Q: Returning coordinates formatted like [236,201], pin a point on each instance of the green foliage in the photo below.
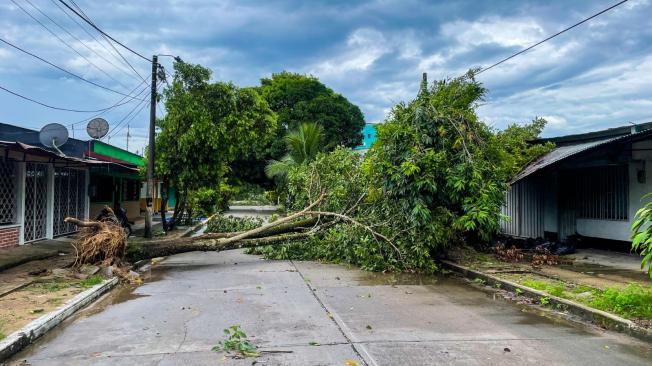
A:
[544,300]
[303,144]
[206,127]
[91,281]
[479,281]
[514,147]
[634,301]
[642,234]
[435,177]
[236,341]
[229,224]
[299,99]
[205,201]
[246,193]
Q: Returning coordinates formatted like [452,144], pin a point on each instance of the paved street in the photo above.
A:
[373,319]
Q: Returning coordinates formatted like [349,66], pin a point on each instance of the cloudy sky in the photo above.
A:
[596,76]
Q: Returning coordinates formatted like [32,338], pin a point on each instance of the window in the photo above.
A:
[101,188]
[601,193]
[130,190]
[7,192]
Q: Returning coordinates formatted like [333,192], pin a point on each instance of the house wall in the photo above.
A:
[640,159]
[9,236]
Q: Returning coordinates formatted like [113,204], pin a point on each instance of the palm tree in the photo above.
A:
[303,145]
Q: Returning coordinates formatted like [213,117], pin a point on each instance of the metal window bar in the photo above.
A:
[8,196]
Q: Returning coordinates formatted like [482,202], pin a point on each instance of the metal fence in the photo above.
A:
[524,209]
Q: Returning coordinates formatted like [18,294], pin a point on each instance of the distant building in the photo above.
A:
[591,185]
[368,137]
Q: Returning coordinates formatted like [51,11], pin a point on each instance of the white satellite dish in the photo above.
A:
[53,135]
[97,128]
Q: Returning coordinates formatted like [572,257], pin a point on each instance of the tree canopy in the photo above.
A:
[208,124]
[435,177]
[301,99]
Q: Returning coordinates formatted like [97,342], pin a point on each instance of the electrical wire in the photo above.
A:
[77,39]
[59,108]
[64,70]
[107,40]
[115,129]
[56,3]
[116,104]
[551,37]
[102,32]
[66,43]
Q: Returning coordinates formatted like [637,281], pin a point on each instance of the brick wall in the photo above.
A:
[9,236]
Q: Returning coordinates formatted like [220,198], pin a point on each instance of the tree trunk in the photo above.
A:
[153,249]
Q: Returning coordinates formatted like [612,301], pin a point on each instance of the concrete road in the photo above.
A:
[355,317]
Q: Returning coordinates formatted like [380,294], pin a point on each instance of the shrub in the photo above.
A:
[227,224]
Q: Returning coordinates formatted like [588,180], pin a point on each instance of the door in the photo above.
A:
[69,199]
[36,184]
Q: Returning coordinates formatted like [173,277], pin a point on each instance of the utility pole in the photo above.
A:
[150,157]
[128,136]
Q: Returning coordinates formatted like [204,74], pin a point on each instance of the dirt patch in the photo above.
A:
[40,297]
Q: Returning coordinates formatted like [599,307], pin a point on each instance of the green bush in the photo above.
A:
[228,224]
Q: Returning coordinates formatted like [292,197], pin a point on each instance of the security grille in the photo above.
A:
[7,192]
[36,184]
[69,199]
[599,193]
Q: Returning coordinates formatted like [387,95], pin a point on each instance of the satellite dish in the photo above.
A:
[97,128]
[53,135]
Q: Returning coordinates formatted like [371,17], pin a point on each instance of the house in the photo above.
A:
[368,137]
[590,184]
[40,187]
[38,190]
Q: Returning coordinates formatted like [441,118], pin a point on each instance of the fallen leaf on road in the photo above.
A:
[314,343]
[351,363]
[507,349]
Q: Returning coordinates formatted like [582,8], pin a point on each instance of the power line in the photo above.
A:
[551,37]
[106,39]
[66,71]
[66,43]
[58,108]
[102,32]
[84,29]
[113,131]
[77,38]
[116,104]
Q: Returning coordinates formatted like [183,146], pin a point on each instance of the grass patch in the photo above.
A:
[91,281]
[554,289]
[633,301]
[2,333]
[47,287]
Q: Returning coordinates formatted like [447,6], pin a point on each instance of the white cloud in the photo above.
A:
[363,48]
[505,32]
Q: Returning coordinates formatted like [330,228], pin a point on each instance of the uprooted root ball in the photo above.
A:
[104,243]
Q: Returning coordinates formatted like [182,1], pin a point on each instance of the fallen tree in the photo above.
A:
[105,242]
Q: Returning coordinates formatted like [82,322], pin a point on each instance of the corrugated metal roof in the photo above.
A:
[565,151]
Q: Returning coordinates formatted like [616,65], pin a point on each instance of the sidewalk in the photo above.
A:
[12,257]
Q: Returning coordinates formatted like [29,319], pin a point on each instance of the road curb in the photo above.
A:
[29,333]
[595,316]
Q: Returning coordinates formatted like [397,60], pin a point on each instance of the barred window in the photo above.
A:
[7,192]
[601,193]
